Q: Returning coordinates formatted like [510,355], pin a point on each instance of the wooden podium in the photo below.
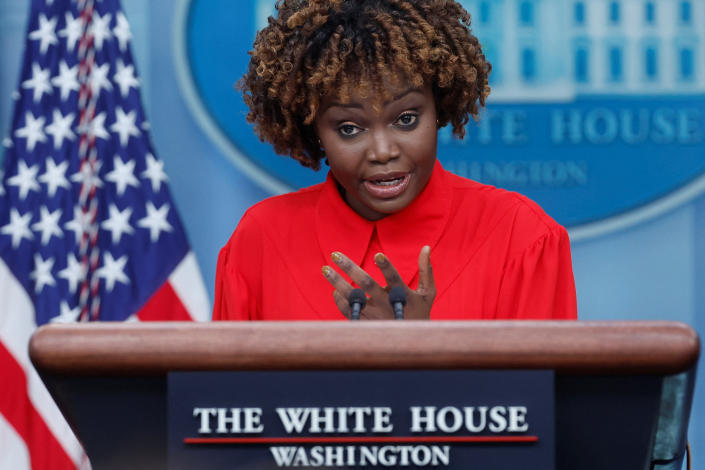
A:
[623,389]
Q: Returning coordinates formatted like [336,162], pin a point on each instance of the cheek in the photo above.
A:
[424,149]
[344,170]
[344,161]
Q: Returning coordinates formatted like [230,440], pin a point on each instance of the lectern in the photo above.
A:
[622,390]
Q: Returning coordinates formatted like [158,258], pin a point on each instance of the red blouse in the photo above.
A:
[495,254]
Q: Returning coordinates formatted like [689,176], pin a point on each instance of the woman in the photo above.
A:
[364,85]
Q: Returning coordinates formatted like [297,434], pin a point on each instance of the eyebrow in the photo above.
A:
[359,106]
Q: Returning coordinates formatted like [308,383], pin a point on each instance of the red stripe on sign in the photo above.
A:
[164,305]
[45,452]
[358,439]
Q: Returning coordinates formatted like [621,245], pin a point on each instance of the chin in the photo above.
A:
[391,207]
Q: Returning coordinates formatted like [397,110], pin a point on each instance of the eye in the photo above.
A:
[348,130]
[407,120]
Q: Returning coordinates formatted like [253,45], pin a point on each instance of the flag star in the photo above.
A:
[42,272]
[25,179]
[122,175]
[122,30]
[72,31]
[32,130]
[48,224]
[145,125]
[67,80]
[154,172]
[99,79]
[124,125]
[112,271]
[88,175]
[60,128]
[45,33]
[95,127]
[39,82]
[73,273]
[18,228]
[68,314]
[55,176]
[125,78]
[80,224]
[99,29]
[118,222]
[155,220]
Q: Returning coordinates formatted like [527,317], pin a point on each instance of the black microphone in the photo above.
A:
[397,297]
[357,300]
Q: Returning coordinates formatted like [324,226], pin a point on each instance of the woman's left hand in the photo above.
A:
[418,302]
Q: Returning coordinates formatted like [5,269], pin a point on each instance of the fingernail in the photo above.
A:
[326,271]
[380,259]
[336,257]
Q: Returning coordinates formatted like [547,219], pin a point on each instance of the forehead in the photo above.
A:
[378,79]
[377,95]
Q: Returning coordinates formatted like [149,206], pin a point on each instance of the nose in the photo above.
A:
[383,146]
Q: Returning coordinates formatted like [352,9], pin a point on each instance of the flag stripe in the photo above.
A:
[164,304]
[14,450]
[16,327]
[45,451]
[182,279]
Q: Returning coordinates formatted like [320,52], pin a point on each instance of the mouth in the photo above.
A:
[387,186]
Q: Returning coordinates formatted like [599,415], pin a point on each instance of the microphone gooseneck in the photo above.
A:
[357,300]
[397,297]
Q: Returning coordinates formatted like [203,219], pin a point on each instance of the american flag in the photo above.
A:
[88,229]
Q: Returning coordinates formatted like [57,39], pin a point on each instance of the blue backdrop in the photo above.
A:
[606,132]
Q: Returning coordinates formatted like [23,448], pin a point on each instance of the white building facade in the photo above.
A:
[556,49]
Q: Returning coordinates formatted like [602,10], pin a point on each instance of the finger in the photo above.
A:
[390,273]
[337,281]
[357,274]
[427,284]
[341,302]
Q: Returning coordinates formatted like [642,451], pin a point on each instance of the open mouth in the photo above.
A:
[388,182]
[387,186]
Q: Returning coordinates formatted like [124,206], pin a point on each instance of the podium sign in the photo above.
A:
[367,419]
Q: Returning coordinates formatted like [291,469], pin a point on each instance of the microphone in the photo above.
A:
[397,297]
[357,300]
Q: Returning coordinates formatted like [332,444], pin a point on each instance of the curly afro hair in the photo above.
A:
[319,48]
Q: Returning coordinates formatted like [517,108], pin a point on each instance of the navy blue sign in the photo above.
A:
[598,119]
[372,419]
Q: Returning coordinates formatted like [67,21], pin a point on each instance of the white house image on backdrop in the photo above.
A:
[554,50]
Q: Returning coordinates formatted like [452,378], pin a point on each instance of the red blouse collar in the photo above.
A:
[401,234]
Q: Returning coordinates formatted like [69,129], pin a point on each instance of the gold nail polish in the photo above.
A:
[326,271]
[379,258]
[336,257]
